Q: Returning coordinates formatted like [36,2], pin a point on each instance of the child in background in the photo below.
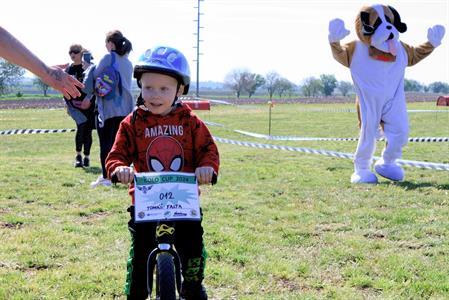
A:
[163,134]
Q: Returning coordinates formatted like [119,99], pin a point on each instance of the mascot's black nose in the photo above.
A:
[389,27]
[391,36]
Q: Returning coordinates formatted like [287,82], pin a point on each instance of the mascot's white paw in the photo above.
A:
[337,30]
[435,34]
[389,171]
[363,176]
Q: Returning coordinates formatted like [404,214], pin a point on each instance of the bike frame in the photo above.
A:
[165,240]
[165,244]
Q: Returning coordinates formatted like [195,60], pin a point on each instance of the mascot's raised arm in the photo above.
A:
[377,62]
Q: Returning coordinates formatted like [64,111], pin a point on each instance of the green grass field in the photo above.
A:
[278,225]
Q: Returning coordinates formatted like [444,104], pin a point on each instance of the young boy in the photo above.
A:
[163,134]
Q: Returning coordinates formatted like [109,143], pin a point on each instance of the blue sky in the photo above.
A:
[286,36]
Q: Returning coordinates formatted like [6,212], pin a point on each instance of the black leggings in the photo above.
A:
[83,137]
[106,135]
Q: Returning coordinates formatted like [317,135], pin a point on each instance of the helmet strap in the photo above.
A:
[175,101]
[140,100]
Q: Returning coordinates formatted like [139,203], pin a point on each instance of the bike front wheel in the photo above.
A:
[165,277]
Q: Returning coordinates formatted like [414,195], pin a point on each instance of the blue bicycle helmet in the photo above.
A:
[164,60]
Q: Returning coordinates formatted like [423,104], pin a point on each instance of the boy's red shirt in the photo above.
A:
[177,142]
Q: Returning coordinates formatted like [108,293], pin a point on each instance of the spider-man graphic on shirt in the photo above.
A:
[165,154]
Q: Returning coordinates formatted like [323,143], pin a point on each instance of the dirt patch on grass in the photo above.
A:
[32,103]
[410,97]
[16,225]
[59,102]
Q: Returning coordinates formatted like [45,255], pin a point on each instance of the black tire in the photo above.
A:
[165,277]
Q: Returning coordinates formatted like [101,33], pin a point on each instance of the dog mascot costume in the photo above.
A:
[377,63]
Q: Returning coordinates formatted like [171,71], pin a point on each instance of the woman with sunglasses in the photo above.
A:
[81,109]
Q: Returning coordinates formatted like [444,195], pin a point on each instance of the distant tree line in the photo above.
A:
[242,81]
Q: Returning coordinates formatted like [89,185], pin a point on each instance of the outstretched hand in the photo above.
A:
[63,82]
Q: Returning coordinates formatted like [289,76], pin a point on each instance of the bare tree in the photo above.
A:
[252,83]
[283,85]
[235,80]
[271,80]
[41,85]
[312,87]
[10,75]
[344,87]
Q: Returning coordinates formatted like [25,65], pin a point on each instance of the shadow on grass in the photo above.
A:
[93,170]
[408,185]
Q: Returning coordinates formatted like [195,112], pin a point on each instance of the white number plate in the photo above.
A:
[166,196]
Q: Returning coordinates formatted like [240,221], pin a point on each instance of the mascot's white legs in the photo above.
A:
[396,132]
[363,156]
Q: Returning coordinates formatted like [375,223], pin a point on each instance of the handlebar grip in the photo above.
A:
[214,178]
[114,179]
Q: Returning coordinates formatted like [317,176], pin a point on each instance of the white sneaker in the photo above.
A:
[100,181]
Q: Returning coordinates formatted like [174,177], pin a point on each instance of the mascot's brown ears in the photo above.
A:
[368,30]
[401,27]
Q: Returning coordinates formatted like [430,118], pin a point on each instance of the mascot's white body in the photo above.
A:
[380,88]
[379,84]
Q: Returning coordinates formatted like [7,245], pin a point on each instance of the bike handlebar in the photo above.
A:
[114,178]
[214,178]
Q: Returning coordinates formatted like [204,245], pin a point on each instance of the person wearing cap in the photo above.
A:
[164,135]
[81,109]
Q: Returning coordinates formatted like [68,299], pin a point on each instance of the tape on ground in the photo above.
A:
[34,131]
[409,163]
[297,138]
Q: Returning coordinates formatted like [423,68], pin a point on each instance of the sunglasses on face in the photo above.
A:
[74,52]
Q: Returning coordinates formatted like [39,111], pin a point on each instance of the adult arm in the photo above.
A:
[15,52]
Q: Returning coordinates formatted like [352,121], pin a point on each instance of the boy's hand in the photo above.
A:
[124,174]
[63,82]
[204,174]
